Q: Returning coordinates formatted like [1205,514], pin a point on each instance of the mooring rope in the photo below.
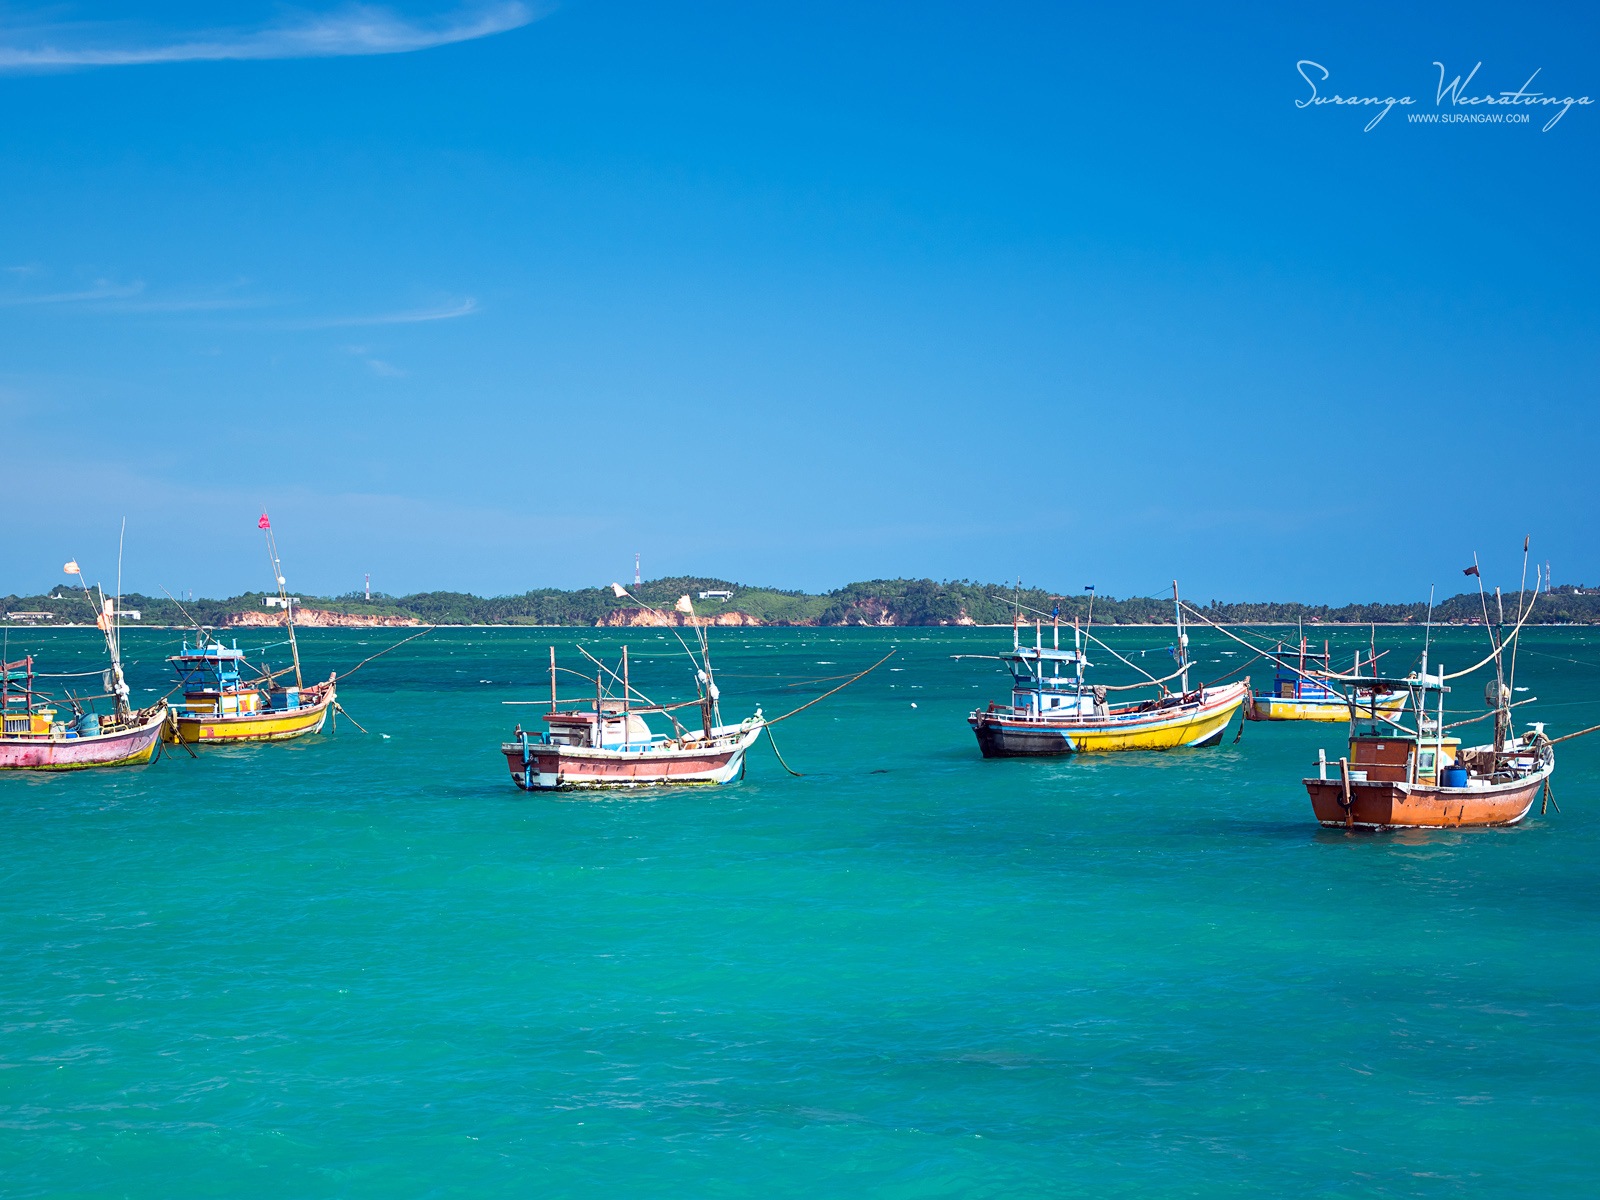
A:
[779,753]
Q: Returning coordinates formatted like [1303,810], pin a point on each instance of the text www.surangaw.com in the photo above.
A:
[1467,118]
[1452,96]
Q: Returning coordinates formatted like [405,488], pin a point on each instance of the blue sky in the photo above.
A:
[493,296]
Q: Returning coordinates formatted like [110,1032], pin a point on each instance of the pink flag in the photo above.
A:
[263,523]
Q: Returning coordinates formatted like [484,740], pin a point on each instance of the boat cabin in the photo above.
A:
[618,730]
[210,677]
[16,700]
[1287,684]
[1392,759]
[1038,687]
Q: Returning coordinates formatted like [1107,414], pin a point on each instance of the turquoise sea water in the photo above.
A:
[367,965]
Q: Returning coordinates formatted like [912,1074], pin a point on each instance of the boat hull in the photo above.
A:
[137,744]
[1278,708]
[270,726]
[541,767]
[1386,805]
[1007,734]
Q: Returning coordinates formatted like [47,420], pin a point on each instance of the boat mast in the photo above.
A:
[1183,638]
[105,621]
[283,596]
[552,679]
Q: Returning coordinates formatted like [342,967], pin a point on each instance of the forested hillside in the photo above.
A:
[870,602]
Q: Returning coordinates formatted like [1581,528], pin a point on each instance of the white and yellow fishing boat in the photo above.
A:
[1051,713]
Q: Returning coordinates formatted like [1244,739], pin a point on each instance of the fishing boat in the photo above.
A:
[1421,777]
[223,704]
[1424,779]
[1053,714]
[604,741]
[37,737]
[608,744]
[1302,693]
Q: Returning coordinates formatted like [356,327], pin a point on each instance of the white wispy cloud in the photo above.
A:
[358,29]
[380,368]
[109,296]
[414,316]
[102,290]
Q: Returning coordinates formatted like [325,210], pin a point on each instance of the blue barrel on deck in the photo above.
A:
[288,697]
[1453,777]
[88,725]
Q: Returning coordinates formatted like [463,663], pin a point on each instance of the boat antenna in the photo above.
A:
[1183,638]
[199,629]
[1427,631]
[283,592]
[1522,591]
[1483,603]
[122,535]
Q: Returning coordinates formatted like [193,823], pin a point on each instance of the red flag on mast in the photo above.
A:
[263,523]
[1472,570]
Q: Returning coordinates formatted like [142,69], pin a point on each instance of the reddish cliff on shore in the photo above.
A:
[643,616]
[316,618]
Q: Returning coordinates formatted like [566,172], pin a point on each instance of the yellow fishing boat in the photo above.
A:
[221,705]
[1303,694]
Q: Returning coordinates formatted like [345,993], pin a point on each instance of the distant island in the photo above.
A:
[876,602]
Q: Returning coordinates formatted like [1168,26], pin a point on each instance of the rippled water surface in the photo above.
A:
[364,964]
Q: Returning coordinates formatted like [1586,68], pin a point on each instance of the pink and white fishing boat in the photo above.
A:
[608,745]
[604,741]
[34,739]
